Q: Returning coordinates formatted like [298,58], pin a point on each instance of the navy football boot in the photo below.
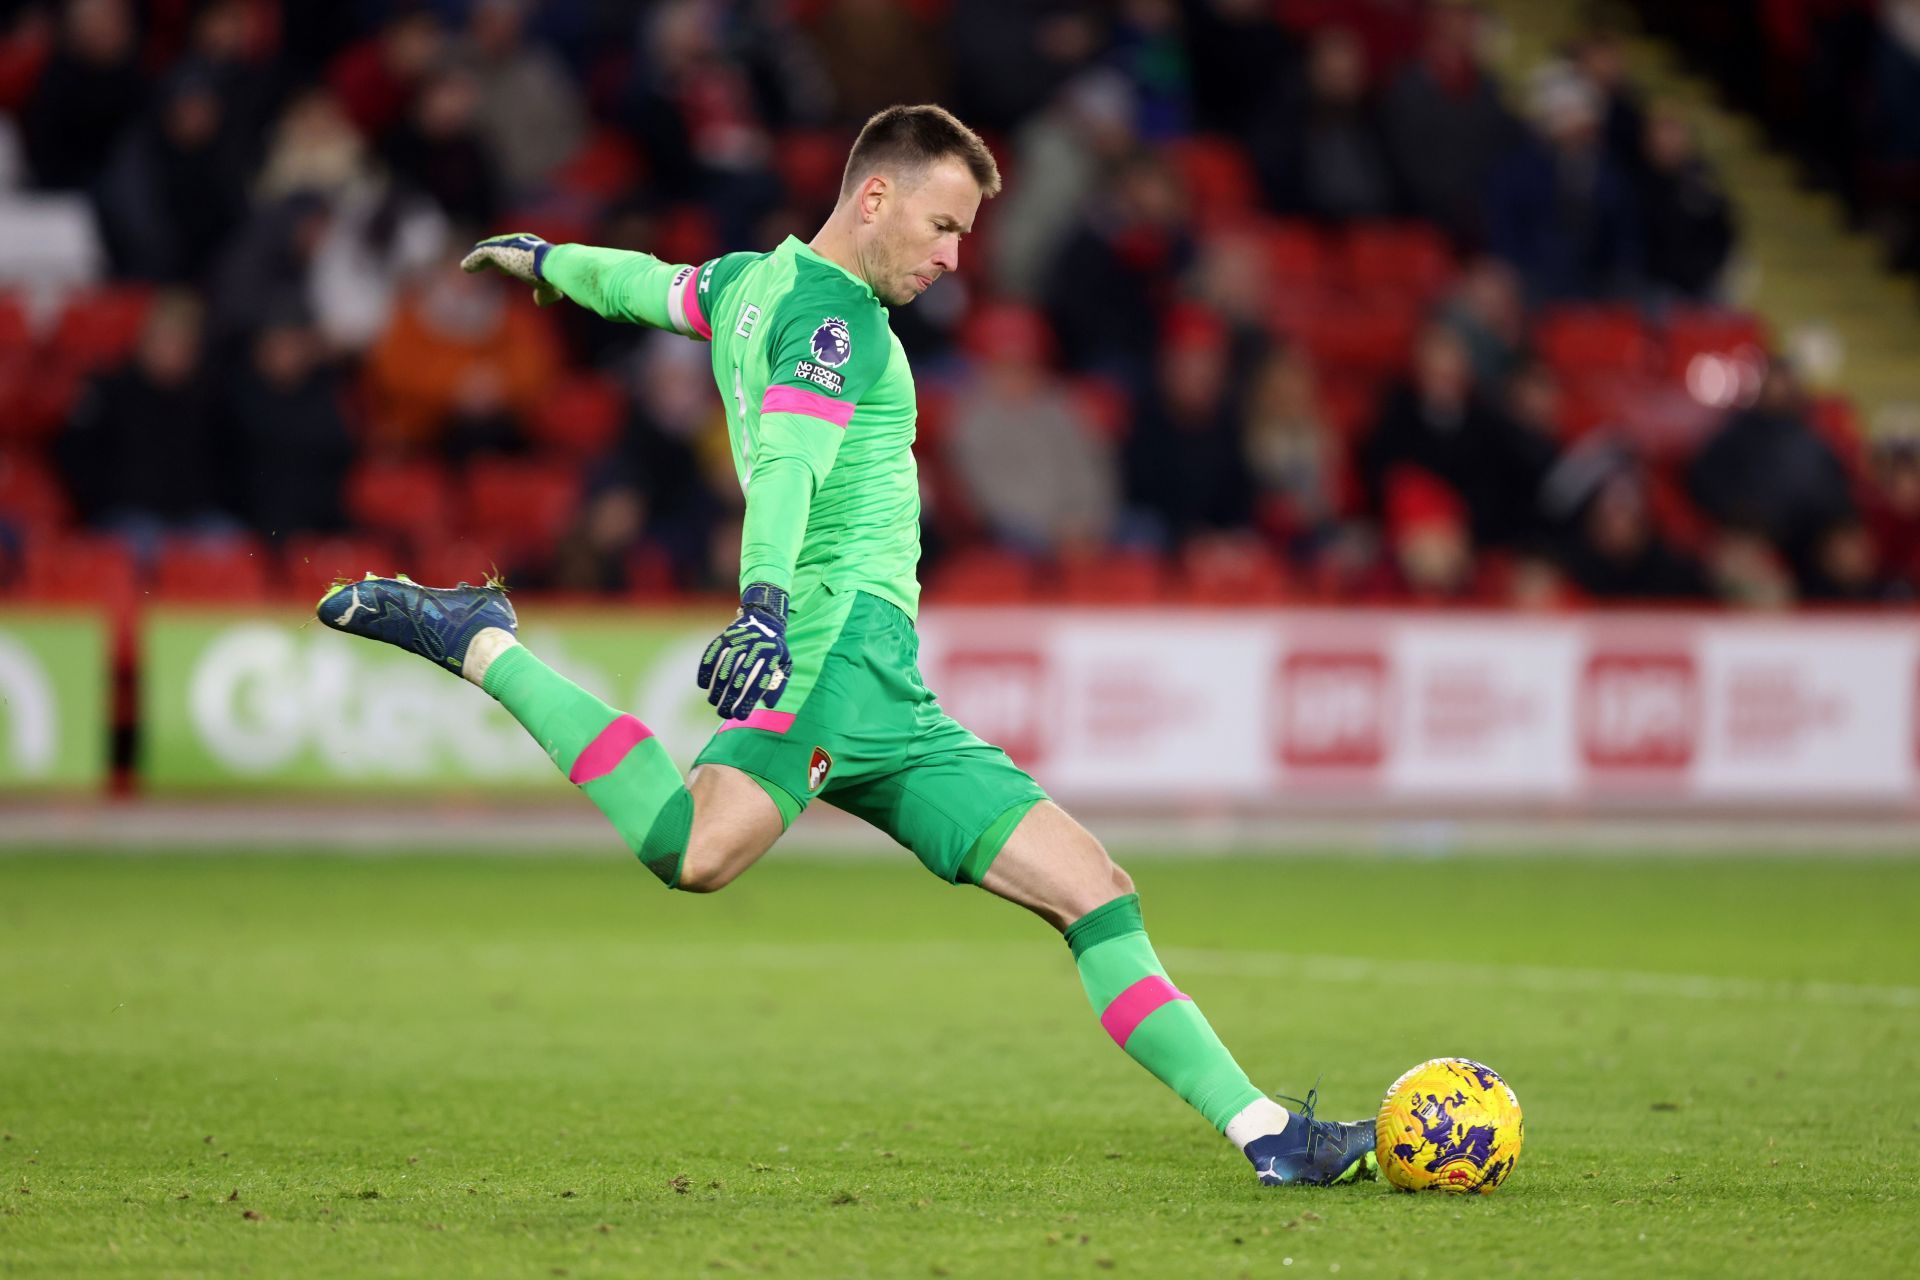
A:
[438,623]
[1320,1153]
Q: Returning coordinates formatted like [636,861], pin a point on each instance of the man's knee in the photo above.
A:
[708,867]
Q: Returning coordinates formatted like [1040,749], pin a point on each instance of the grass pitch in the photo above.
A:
[450,1066]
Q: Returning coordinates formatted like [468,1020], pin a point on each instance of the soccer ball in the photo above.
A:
[1451,1124]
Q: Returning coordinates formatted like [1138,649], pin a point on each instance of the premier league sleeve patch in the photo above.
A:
[832,342]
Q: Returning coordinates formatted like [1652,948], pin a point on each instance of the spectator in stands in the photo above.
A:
[228,42]
[1430,536]
[1234,50]
[1185,463]
[1686,220]
[1293,455]
[1560,210]
[176,186]
[438,147]
[1447,126]
[1896,82]
[89,91]
[376,230]
[1145,44]
[1486,312]
[461,366]
[1894,508]
[877,53]
[376,78]
[1035,466]
[531,114]
[1600,56]
[290,436]
[1321,150]
[1438,422]
[1846,568]
[1105,290]
[1007,58]
[697,115]
[1612,550]
[269,262]
[1063,153]
[141,453]
[1766,472]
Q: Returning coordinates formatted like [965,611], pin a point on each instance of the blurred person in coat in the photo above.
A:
[290,435]
[1036,467]
[1686,220]
[459,369]
[88,93]
[142,454]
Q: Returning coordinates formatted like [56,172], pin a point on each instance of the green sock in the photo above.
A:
[1160,1028]
[612,757]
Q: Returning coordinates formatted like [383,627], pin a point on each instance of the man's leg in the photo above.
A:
[1055,868]
[696,839]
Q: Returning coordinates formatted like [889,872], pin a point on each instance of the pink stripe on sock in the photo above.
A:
[690,302]
[1131,1007]
[604,754]
[810,403]
[771,721]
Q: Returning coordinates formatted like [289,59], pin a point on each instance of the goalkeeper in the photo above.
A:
[817,681]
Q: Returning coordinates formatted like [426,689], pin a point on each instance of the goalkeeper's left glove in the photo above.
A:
[748,662]
[520,256]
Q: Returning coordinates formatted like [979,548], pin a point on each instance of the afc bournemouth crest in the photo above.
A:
[818,768]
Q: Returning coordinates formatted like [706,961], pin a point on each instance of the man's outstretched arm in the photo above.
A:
[635,288]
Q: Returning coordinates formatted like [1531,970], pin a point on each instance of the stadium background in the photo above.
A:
[1294,306]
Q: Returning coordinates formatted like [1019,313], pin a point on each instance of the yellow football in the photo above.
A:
[1450,1124]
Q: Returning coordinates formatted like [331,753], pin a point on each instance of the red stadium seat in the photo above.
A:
[983,575]
[212,569]
[1698,331]
[1297,257]
[1838,423]
[1218,176]
[446,562]
[37,393]
[517,504]
[31,496]
[810,164]
[16,332]
[311,562]
[1230,571]
[1121,577]
[605,166]
[410,499]
[1359,338]
[101,328]
[581,417]
[1578,341]
[82,569]
[1391,258]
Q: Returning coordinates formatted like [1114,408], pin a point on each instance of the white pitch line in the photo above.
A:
[1538,978]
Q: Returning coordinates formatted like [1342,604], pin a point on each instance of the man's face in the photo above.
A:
[914,237]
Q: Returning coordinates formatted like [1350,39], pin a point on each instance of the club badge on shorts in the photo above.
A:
[818,768]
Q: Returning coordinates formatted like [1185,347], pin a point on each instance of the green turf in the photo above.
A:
[439,1067]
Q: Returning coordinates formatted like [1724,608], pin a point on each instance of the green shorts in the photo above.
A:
[858,729]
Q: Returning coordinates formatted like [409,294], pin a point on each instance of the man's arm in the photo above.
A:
[635,288]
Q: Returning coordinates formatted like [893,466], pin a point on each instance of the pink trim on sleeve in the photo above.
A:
[810,403]
[690,303]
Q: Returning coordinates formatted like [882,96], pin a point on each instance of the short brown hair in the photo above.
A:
[910,138]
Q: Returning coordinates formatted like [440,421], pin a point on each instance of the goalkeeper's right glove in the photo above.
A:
[520,256]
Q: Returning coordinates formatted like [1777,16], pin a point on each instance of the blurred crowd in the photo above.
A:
[1836,82]
[1286,299]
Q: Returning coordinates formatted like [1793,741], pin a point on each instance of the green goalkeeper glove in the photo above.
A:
[518,255]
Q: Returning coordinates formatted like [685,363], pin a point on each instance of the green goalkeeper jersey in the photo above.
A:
[819,402]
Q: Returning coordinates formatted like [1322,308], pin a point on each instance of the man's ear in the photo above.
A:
[874,192]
